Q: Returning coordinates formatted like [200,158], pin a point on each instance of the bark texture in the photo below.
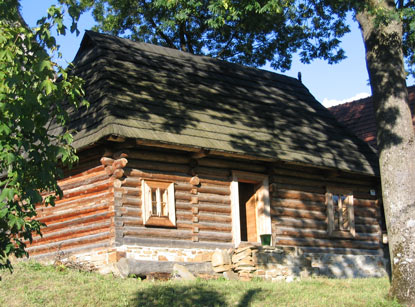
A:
[384,59]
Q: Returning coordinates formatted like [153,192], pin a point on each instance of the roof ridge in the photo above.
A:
[167,51]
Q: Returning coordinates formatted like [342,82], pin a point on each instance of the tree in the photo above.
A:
[253,32]
[33,90]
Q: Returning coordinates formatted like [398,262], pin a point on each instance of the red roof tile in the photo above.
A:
[359,116]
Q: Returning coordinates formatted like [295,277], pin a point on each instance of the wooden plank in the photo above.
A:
[215,237]
[92,170]
[322,234]
[140,174]
[207,227]
[70,243]
[87,220]
[83,180]
[90,188]
[133,191]
[158,156]
[366,220]
[204,217]
[214,208]
[71,233]
[157,233]
[279,211]
[101,197]
[251,217]
[75,214]
[330,214]
[292,194]
[299,223]
[299,204]
[221,163]
[283,240]
[159,166]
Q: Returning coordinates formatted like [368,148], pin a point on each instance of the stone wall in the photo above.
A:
[287,263]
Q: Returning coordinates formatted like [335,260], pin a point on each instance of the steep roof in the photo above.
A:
[359,116]
[152,93]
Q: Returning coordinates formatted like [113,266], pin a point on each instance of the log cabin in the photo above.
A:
[181,155]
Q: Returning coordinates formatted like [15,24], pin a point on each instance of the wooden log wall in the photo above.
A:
[203,210]
[83,219]
[299,216]
[101,206]
[202,198]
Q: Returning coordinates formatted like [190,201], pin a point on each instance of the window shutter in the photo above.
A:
[171,204]
[330,213]
[350,210]
[146,201]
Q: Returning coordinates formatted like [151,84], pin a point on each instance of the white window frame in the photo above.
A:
[156,218]
[263,212]
[334,225]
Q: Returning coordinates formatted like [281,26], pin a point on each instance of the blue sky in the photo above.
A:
[330,84]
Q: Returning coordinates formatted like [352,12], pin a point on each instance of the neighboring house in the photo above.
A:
[359,116]
[181,155]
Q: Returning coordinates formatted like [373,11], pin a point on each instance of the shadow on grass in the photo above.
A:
[183,295]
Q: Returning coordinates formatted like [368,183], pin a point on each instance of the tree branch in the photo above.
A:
[227,44]
[188,41]
[162,35]
[183,46]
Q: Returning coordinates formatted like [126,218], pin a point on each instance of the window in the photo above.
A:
[158,203]
[340,213]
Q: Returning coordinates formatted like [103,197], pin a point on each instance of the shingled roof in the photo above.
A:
[359,116]
[151,93]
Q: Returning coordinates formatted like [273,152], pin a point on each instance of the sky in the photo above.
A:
[330,84]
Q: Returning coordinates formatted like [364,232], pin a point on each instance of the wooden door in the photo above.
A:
[251,219]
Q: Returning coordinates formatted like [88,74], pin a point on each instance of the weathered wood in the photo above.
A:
[71,233]
[96,169]
[214,208]
[330,214]
[158,233]
[160,176]
[220,163]
[282,240]
[298,204]
[215,236]
[133,191]
[159,166]
[207,227]
[323,234]
[70,243]
[300,223]
[292,194]
[204,217]
[90,188]
[279,211]
[83,180]
[87,220]
[74,214]
[74,203]
[158,156]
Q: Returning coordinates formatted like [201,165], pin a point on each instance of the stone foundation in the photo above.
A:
[278,263]
[247,262]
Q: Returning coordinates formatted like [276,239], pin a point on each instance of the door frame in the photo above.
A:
[263,212]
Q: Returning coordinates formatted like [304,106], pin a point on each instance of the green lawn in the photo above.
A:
[33,284]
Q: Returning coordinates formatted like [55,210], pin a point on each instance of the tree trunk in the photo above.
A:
[395,139]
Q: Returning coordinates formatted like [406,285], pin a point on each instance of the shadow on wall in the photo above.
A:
[183,295]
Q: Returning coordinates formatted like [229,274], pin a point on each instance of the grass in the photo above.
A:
[33,284]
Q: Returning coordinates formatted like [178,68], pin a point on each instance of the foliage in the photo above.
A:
[32,91]
[37,285]
[249,32]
